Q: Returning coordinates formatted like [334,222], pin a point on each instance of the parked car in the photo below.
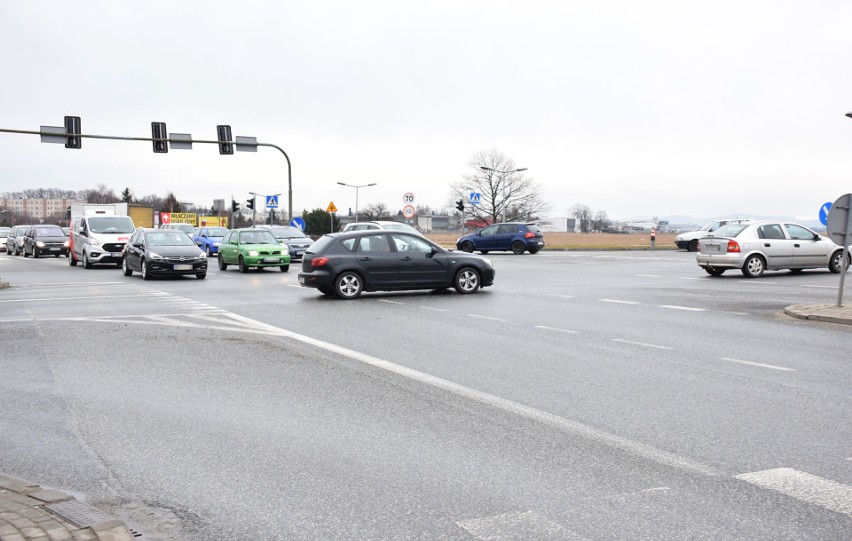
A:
[381,225]
[15,240]
[292,237]
[252,247]
[189,229]
[209,238]
[163,252]
[755,247]
[45,240]
[689,241]
[515,236]
[4,234]
[347,264]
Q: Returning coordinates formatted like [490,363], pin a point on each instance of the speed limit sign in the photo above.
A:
[408,198]
[408,212]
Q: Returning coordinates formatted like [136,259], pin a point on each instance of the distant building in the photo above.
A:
[38,209]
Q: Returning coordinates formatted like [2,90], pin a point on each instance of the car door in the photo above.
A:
[379,263]
[505,235]
[808,250]
[773,242]
[229,247]
[420,264]
[486,238]
[133,251]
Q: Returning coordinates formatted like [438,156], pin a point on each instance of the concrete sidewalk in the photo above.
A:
[822,312]
[31,513]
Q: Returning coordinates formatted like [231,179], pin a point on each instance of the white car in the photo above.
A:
[381,224]
[689,241]
[4,232]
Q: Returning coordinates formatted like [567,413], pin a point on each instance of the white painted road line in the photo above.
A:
[487,317]
[618,301]
[688,308]
[804,487]
[389,301]
[761,365]
[643,344]
[106,297]
[433,309]
[567,331]
[649,275]
[822,287]
[510,526]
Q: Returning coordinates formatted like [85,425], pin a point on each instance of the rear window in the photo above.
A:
[319,246]
[534,229]
[730,230]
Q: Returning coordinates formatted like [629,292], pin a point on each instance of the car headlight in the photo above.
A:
[40,244]
[66,244]
[217,244]
[94,242]
[252,253]
[678,238]
[202,255]
[152,255]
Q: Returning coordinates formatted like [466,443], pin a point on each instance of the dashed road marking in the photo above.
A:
[688,308]
[805,487]
[643,344]
[389,301]
[821,287]
[433,309]
[486,317]
[649,275]
[546,328]
[761,365]
[93,297]
[510,526]
[616,301]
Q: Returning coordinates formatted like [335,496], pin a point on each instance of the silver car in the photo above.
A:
[767,245]
[4,233]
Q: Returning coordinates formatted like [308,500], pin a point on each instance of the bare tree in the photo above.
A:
[583,214]
[374,211]
[601,221]
[100,194]
[505,192]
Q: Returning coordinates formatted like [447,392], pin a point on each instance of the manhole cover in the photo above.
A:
[78,513]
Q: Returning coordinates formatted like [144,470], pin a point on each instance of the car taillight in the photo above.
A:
[319,261]
[529,235]
[733,246]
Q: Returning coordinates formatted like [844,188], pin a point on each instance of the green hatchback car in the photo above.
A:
[249,248]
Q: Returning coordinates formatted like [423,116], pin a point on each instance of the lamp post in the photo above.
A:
[356,193]
[502,182]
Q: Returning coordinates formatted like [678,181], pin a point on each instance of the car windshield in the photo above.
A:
[257,237]
[169,238]
[48,232]
[730,230]
[111,224]
[217,231]
[401,227]
[287,233]
[186,228]
[4,231]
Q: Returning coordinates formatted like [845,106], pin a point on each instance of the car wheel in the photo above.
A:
[124,268]
[71,260]
[754,266]
[534,250]
[348,285]
[35,252]
[714,271]
[692,246]
[466,281]
[144,267]
[518,247]
[207,249]
[467,246]
[86,263]
[25,253]
[483,252]
[241,262]
[201,275]
[222,264]
[285,268]
[834,263]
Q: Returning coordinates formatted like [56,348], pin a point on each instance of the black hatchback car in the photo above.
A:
[347,264]
[45,240]
[163,252]
[515,236]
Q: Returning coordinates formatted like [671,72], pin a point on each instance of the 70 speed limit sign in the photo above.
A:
[408,198]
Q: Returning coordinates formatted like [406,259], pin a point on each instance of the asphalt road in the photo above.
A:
[621,395]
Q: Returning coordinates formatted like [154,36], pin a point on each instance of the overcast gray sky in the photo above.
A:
[640,109]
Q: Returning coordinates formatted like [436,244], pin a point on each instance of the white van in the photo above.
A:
[99,238]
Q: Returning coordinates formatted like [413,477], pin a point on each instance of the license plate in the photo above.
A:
[183,267]
[300,252]
[271,260]
[54,249]
[302,280]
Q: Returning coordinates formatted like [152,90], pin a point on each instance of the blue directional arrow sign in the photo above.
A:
[474,198]
[298,222]
[823,213]
[272,201]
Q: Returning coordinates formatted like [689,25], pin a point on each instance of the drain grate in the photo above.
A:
[78,513]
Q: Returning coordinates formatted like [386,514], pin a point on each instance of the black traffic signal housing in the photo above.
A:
[72,132]
[158,131]
[234,206]
[460,204]
[223,132]
[251,203]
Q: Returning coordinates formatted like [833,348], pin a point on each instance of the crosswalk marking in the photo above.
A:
[805,487]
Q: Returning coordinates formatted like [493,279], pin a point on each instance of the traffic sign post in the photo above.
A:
[823,213]
[331,209]
[272,201]
[839,227]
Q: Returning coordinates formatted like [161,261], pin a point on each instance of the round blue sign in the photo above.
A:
[823,213]
[298,222]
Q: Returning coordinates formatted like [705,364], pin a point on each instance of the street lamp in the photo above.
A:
[356,193]
[503,184]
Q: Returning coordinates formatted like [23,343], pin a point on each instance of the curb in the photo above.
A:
[828,313]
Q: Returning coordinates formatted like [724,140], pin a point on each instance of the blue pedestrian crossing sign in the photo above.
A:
[272,201]
[474,198]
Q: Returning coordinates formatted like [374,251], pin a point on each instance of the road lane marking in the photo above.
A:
[529,525]
[433,309]
[649,275]
[72,284]
[389,301]
[688,308]
[761,365]
[822,287]
[568,331]
[487,317]
[643,344]
[75,298]
[562,296]
[805,487]
[618,301]
[692,278]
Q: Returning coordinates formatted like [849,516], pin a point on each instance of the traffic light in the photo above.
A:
[223,133]
[234,206]
[158,131]
[251,203]
[72,132]
[460,204]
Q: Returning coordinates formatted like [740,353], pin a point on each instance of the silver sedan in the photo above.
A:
[767,245]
